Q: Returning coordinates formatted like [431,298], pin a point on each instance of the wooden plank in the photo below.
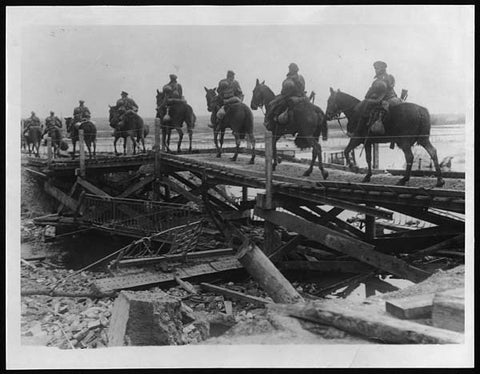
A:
[277,255]
[327,266]
[190,255]
[60,196]
[190,196]
[107,285]
[137,186]
[72,191]
[337,221]
[413,307]
[235,294]
[357,249]
[448,310]
[91,188]
[365,321]
[453,242]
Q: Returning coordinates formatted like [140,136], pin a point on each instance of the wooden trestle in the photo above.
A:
[308,210]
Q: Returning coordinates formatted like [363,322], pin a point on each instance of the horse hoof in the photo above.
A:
[440,183]
[307,173]
[251,162]
[234,159]
[402,182]
[366,180]
[219,155]
[325,174]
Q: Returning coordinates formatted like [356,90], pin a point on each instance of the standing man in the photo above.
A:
[230,92]
[81,113]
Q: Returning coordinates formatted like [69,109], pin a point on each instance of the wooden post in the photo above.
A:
[268,169]
[157,169]
[244,194]
[268,226]
[375,157]
[49,151]
[370,225]
[81,145]
[267,275]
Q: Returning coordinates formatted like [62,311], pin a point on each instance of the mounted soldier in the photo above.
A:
[379,97]
[172,94]
[292,86]
[81,113]
[230,92]
[52,120]
[33,120]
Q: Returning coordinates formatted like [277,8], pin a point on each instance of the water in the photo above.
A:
[448,139]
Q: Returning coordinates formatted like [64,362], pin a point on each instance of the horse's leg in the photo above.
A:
[115,145]
[190,135]
[180,137]
[94,149]
[222,136]
[125,145]
[74,143]
[352,144]
[237,147]
[310,168]
[89,150]
[134,144]
[274,151]
[216,141]
[251,139]
[407,150]
[317,148]
[368,156]
[432,151]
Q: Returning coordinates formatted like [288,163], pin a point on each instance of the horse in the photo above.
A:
[117,134]
[89,135]
[33,139]
[56,135]
[405,125]
[179,113]
[307,123]
[238,117]
[130,126]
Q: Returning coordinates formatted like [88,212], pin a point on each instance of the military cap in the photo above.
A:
[380,64]
[173,76]
[81,101]
[52,112]
[230,73]
[124,93]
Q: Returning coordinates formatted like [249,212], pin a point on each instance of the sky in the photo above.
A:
[96,52]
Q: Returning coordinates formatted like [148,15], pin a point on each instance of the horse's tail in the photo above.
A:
[247,122]
[425,124]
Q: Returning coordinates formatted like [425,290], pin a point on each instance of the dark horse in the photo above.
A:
[89,135]
[308,122]
[179,113]
[56,135]
[239,118]
[33,138]
[130,126]
[405,125]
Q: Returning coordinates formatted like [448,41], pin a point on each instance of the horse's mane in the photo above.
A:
[347,96]
[268,88]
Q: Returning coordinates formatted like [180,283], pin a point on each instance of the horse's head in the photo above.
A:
[114,116]
[258,95]
[68,123]
[212,99]
[333,110]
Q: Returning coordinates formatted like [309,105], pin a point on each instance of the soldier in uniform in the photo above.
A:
[81,113]
[381,94]
[230,92]
[33,120]
[173,89]
[293,85]
[52,120]
[126,103]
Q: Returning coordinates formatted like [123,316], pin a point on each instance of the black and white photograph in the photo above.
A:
[239,186]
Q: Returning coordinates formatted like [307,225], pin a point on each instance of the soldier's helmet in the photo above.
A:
[293,67]
[380,65]
[124,93]
[230,73]
[173,76]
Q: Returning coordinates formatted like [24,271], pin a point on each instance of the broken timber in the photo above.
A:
[357,249]
[107,285]
[362,320]
[234,294]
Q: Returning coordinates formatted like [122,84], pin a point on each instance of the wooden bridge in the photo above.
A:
[302,217]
